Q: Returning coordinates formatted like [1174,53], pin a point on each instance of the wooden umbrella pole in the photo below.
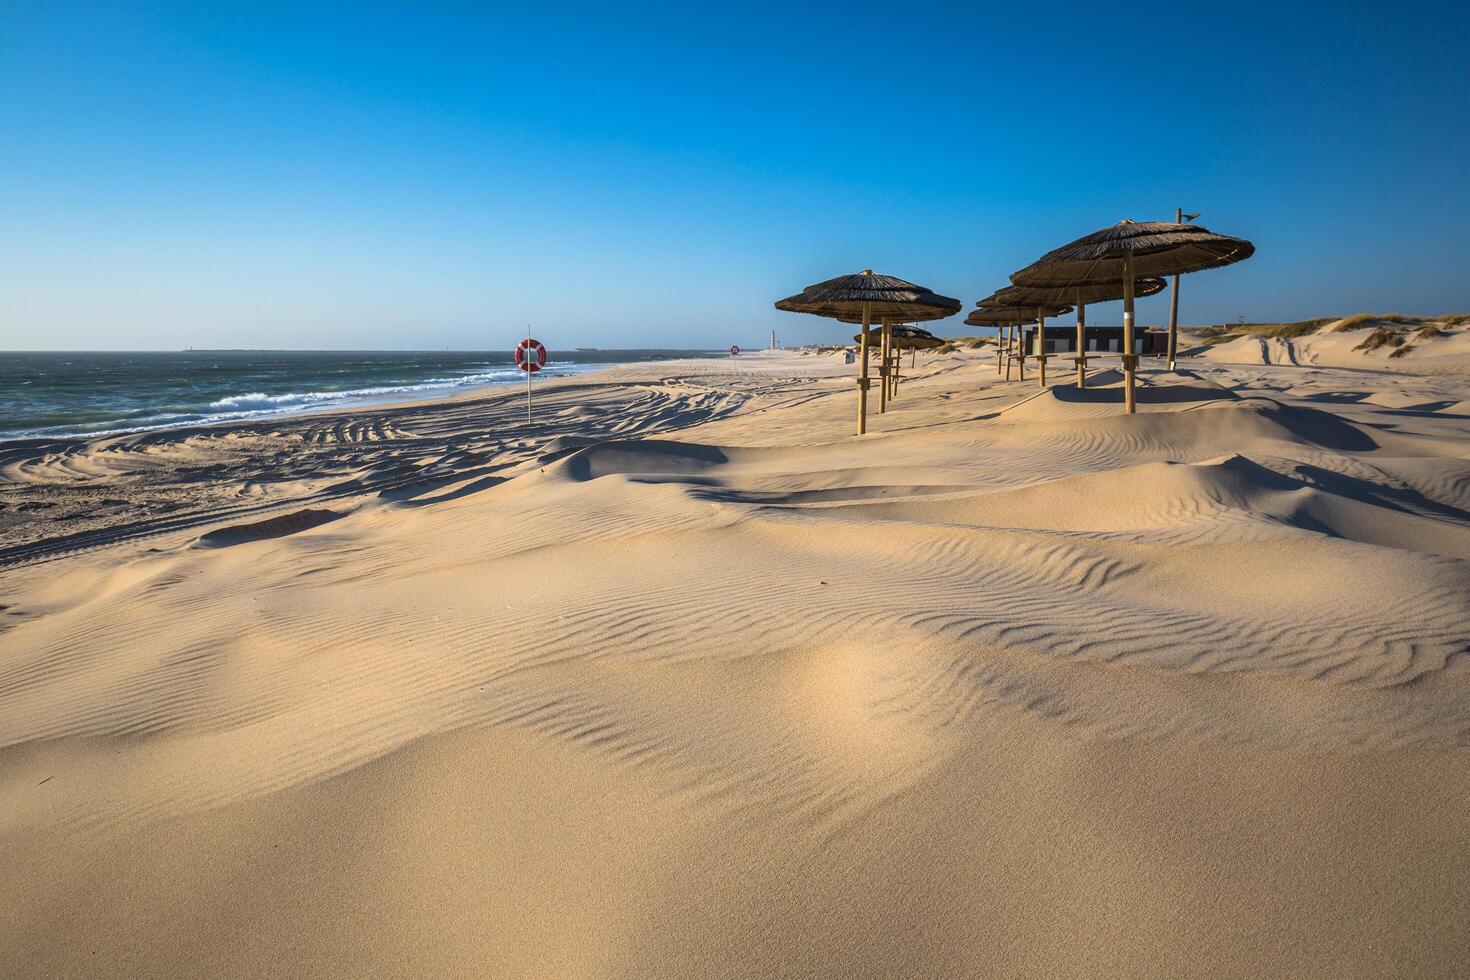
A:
[1009,353]
[1000,349]
[1021,350]
[863,371]
[892,370]
[1041,346]
[885,337]
[898,359]
[1130,359]
[888,341]
[1174,304]
[1081,342]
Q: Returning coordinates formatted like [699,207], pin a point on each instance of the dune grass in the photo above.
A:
[1296,328]
[1381,337]
[1358,320]
[1300,328]
[973,343]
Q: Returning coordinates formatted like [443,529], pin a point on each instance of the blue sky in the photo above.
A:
[374,176]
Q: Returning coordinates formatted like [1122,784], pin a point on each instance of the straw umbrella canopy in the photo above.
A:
[901,337]
[906,337]
[999,317]
[995,301]
[1007,320]
[1128,251]
[1094,292]
[1002,319]
[1052,296]
[867,295]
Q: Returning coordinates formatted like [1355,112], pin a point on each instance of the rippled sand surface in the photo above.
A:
[683,678]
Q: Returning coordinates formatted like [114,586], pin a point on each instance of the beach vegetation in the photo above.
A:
[1224,333]
[1298,328]
[1381,337]
[1360,320]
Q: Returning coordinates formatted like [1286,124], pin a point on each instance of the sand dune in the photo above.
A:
[1417,345]
[685,679]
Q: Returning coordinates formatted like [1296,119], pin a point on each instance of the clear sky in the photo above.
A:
[432,175]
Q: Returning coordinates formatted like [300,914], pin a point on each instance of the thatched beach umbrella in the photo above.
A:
[888,351]
[867,295]
[902,337]
[913,343]
[914,340]
[1081,296]
[1006,320]
[1128,251]
[1040,311]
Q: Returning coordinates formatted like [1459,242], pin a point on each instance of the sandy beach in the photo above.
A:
[683,678]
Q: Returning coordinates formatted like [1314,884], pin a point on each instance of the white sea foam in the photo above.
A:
[258,404]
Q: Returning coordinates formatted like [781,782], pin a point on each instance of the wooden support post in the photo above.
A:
[1010,332]
[1000,349]
[1130,358]
[1174,304]
[1041,346]
[1081,341]
[1021,350]
[884,338]
[863,371]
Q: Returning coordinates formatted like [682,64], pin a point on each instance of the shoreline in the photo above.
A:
[65,478]
[391,395]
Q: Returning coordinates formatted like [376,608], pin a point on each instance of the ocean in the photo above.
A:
[48,395]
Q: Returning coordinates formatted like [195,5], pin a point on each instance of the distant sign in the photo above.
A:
[530,355]
[734,350]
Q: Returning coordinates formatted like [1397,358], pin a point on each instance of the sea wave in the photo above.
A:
[259,404]
[259,401]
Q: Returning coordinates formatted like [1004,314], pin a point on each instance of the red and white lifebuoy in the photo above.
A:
[530,355]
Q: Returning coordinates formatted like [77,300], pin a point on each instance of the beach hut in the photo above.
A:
[1126,252]
[1006,321]
[1081,297]
[864,297]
